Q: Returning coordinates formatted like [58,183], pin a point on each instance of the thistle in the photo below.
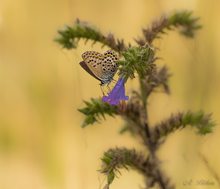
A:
[137,62]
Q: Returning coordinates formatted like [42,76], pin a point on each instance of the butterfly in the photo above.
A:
[101,66]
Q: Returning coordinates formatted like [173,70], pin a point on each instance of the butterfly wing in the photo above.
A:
[109,65]
[93,63]
[86,68]
[102,67]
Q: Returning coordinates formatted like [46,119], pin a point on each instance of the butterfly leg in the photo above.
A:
[101,87]
[114,81]
[108,87]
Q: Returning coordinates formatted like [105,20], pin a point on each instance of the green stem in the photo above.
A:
[148,140]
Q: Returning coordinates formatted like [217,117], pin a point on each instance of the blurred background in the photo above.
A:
[42,145]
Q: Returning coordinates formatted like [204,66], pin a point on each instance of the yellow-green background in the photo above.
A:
[41,85]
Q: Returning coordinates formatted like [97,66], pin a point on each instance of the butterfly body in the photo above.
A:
[101,66]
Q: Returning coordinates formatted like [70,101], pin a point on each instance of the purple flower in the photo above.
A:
[117,94]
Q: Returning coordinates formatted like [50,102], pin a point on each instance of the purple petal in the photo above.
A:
[117,94]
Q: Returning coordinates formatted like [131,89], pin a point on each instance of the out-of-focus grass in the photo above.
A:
[41,143]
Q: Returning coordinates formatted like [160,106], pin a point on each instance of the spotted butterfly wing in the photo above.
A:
[91,63]
[86,68]
[102,67]
[109,65]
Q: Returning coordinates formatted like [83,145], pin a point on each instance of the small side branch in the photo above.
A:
[181,20]
[69,36]
[198,120]
[115,159]
[95,110]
